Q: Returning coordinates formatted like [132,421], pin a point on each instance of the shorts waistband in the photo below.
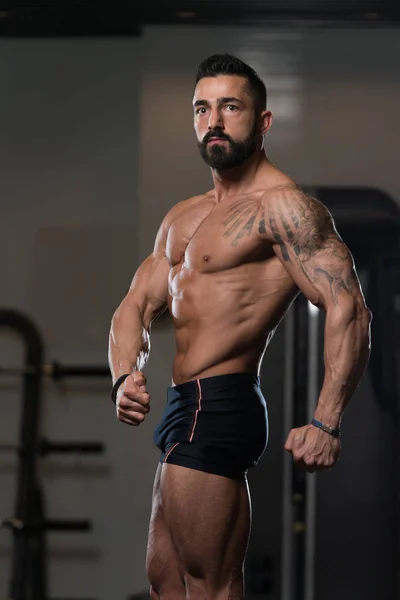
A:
[215,382]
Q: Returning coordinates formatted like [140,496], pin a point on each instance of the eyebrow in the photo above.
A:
[223,100]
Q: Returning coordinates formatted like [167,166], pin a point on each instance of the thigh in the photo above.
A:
[208,517]
[163,566]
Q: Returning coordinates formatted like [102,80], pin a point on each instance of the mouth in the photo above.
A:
[216,140]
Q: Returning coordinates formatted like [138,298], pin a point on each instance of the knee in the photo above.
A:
[155,580]
[168,594]
[215,588]
[164,585]
[198,588]
[153,594]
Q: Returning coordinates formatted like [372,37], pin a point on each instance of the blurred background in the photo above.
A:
[96,144]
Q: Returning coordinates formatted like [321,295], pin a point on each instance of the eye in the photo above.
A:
[201,110]
[231,107]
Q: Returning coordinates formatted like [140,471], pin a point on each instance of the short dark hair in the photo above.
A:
[225,64]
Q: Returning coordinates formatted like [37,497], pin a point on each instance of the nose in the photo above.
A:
[215,120]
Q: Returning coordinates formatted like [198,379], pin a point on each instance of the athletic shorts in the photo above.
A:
[217,424]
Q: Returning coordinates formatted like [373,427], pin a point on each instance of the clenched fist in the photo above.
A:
[133,400]
[313,449]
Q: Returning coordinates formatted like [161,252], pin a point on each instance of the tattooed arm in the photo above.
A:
[308,245]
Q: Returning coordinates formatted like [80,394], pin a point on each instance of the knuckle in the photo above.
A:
[124,402]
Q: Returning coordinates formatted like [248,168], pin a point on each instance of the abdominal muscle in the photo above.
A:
[224,320]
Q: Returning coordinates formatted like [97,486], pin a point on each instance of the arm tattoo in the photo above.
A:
[261,225]
[278,237]
[304,231]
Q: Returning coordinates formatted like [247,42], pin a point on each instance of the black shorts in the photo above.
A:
[216,424]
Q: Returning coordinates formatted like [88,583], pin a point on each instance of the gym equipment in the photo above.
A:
[45,447]
[57,371]
[369,221]
[29,524]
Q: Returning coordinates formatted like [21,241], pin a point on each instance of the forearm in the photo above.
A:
[129,342]
[346,354]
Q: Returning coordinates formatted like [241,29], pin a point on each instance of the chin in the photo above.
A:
[219,153]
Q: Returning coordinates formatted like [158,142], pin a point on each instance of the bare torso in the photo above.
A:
[227,289]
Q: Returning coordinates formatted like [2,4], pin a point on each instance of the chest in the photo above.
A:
[212,238]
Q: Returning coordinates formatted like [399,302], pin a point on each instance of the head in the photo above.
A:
[230,111]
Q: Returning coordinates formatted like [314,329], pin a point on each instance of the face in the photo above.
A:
[225,122]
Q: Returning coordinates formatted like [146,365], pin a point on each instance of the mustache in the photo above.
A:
[216,133]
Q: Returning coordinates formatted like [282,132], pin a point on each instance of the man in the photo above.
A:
[228,264]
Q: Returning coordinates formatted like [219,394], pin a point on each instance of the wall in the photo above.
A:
[96,145]
[69,149]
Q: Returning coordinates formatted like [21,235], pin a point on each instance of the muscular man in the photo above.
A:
[228,264]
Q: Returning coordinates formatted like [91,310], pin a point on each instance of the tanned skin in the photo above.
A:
[228,264]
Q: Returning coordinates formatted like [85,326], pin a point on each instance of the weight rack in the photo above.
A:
[28,580]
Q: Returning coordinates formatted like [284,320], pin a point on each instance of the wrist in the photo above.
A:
[116,386]
[335,432]
[330,418]
[121,369]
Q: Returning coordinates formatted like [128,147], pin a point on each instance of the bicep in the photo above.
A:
[149,287]
[313,253]
[326,276]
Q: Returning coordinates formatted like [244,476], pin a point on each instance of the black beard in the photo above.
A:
[224,156]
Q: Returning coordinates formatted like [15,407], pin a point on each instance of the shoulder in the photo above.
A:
[174,213]
[182,206]
[289,206]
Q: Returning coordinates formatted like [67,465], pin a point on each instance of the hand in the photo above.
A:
[133,400]
[313,449]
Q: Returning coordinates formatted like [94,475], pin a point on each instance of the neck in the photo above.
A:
[240,179]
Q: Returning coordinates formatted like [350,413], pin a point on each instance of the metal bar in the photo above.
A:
[46,447]
[300,416]
[57,371]
[287,492]
[312,397]
[29,429]
[67,525]
[45,525]
[38,561]
[9,447]
[41,524]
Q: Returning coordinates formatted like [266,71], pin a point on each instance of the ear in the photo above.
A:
[265,121]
